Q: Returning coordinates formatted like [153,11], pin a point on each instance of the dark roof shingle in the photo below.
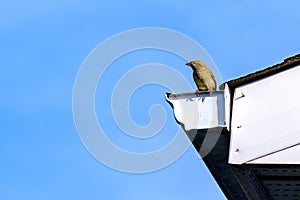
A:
[285,65]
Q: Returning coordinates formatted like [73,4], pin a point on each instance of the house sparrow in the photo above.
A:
[203,77]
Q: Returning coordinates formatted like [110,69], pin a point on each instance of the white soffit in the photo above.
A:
[198,111]
[265,117]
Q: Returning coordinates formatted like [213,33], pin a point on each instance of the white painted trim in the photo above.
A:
[227,97]
[199,111]
[286,156]
[265,117]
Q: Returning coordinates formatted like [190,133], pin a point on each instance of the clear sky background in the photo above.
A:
[43,44]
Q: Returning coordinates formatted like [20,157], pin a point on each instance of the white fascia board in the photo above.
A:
[286,156]
[198,111]
[227,98]
[265,117]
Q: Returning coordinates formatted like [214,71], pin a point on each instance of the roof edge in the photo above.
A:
[288,63]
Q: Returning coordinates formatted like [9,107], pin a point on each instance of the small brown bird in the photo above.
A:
[203,77]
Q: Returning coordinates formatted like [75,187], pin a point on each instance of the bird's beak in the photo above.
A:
[188,64]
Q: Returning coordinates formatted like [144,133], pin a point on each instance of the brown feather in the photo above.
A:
[203,77]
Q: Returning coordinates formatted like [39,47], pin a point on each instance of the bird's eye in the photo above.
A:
[193,63]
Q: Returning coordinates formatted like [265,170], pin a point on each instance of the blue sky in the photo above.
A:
[43,44]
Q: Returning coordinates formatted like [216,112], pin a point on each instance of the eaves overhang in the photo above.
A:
[272,175]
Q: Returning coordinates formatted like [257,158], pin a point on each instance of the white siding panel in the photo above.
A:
[265,117]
